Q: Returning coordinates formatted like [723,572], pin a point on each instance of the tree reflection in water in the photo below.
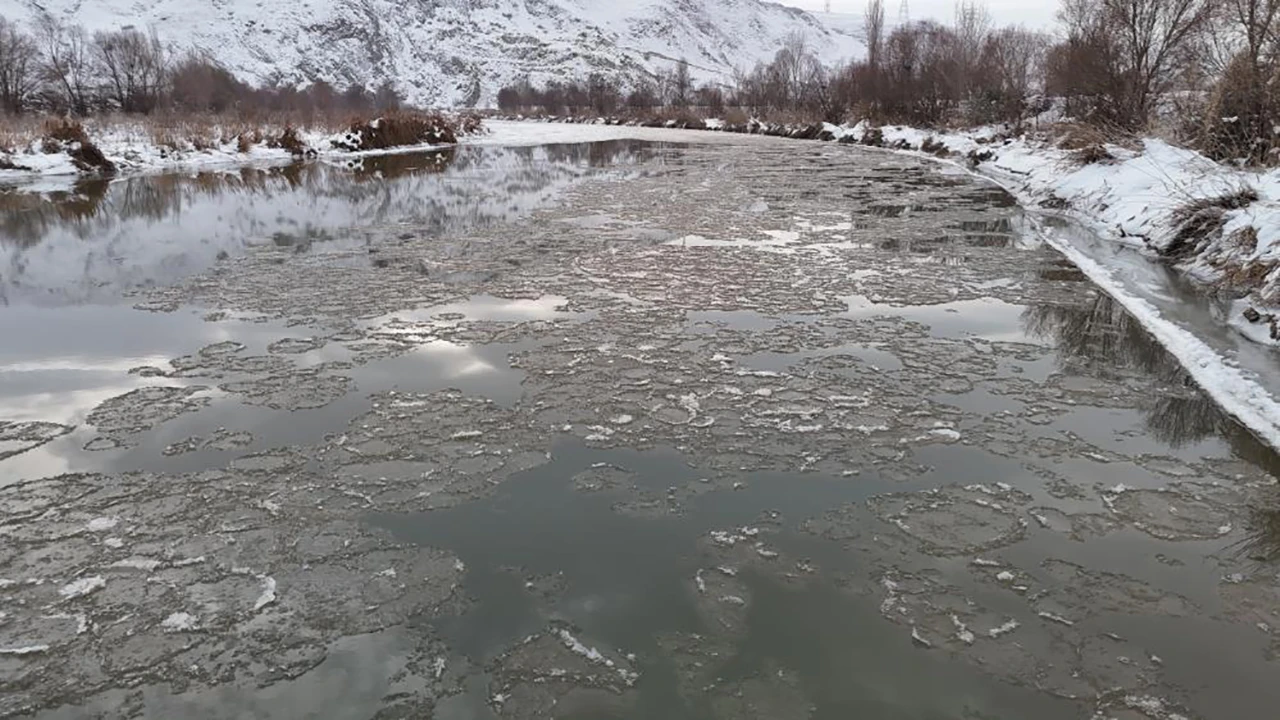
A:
[1101,339]
[97,237]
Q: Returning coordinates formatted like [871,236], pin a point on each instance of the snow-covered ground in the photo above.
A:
[133,149]
[452,53]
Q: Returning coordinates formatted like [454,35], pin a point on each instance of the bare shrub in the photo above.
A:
[19,76]
[934,147]
[1092,155]
[1199,221]
[289,140]
[398,129]
[69,136]
[198,83]
[67,66]
[1119,55]
[134,66]
[735,116]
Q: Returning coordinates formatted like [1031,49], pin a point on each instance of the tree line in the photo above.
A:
[61,68]
[1206,72]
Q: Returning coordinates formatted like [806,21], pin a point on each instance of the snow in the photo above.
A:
[574,645]
[1008,627]
[132,149]
[82,587]
[268,595]
[500,40]
[102,524]
[24,650]
[134,563]
[178,622]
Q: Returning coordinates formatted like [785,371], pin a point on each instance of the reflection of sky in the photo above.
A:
[68,360]
[456,361]
[155,230]
[986,318]
[488,307]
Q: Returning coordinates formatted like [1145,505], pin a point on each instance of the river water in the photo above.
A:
[759,429]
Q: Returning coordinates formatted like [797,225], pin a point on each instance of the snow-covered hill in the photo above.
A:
[460,52]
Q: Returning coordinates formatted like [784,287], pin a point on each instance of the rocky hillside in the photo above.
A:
[460,52]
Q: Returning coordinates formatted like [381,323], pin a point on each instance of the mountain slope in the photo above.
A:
[459,52]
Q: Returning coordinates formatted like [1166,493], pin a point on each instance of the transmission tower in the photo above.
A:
[904,13]
[826,8]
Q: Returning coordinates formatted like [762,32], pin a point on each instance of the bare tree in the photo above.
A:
[18,71]
[198,83]
[386,98]
[1241,114]
[873,24]
[1013,62]
[681,84]
[1141,42]
[604,94]
[134,66]
[68,65]
[973,25]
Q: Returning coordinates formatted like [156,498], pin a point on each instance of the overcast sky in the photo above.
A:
[1032,13]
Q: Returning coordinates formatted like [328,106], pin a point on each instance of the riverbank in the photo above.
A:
[65,150]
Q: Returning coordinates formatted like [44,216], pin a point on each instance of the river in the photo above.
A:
[753,428]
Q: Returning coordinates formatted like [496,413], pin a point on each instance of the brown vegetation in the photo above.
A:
[1199,221]
[57,67]
[62,135]
[398,129]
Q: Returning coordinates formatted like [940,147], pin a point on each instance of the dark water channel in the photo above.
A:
[545,465]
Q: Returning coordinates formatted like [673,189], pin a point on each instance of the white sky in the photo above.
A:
[1037,14]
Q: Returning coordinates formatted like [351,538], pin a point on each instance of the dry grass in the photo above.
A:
[183,132]
[398,129]
[1092,155]
[1199,221]
[69,136]
[288,139]
[934,147]
[1077,136]
[735,116]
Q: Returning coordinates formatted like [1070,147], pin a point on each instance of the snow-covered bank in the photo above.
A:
[134,147]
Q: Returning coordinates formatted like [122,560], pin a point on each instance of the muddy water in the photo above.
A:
[759,430]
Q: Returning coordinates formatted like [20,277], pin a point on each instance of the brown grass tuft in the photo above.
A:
[873,137]
[398,129]
[288,139]
[934,147]
[64,130]
[1199,221]
[69,136]
[1078,136]
[1092,155]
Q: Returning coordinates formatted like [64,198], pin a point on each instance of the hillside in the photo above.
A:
[460,52]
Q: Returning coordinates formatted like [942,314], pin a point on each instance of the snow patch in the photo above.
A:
[82,587]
